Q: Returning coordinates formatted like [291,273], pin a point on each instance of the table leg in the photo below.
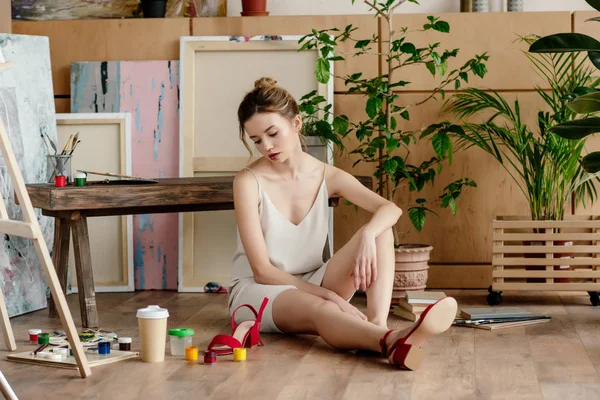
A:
[60,258]
[85,278]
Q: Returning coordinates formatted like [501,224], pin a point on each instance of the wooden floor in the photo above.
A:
[557,360]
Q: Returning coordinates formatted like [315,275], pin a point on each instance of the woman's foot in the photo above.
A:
[403,347]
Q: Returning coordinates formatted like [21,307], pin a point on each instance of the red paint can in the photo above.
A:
[60,181]
[210,357]
[33,335]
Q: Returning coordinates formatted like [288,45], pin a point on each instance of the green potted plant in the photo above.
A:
[545,166]
[323,131]
[382,140]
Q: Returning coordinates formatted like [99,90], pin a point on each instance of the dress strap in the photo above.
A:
[257,181]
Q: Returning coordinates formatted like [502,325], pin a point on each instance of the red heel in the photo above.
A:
[406,352]
[246,334]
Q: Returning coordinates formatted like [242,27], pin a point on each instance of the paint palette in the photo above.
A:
[94,359]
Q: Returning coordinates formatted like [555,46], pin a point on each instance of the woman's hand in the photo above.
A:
[365,266]
[345,306]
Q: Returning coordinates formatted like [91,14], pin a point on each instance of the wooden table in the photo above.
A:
[71,206]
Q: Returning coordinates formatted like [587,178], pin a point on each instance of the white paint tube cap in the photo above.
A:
[124,340]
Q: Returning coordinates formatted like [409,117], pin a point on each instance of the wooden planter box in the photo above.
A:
[532,255]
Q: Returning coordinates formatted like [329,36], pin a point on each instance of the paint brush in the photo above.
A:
[42,347]
[64,150]
[51,143]
[45,143]
[74,147]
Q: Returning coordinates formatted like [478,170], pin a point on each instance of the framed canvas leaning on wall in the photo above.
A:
[105,147]
[215,74]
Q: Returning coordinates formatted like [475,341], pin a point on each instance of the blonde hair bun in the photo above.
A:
[265,83]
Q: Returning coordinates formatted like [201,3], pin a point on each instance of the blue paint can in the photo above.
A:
[104,348]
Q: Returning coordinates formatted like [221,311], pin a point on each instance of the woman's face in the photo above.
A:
[274,136]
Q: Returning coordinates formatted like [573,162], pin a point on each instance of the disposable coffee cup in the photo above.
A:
[152,323]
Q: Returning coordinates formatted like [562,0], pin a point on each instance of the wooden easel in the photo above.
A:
[31,229]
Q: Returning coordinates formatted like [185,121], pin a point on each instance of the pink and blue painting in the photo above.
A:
[27,112]
[149,90]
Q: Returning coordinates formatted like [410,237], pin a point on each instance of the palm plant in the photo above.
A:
[545,166]
[585,102]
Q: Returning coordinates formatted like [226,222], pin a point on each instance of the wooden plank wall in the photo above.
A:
[462,243]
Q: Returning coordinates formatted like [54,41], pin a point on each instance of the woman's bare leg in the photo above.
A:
[295,311]
[339,278]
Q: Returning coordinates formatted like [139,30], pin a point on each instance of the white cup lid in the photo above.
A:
[124,340]
[152,312]
[35,331]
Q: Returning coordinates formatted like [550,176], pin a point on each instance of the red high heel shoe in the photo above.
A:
[406,352]
[246,334]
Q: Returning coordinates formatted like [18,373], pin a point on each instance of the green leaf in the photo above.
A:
[373,106]
[479,69]
[362,44]
[591,162]
[594,57]
[417,216]
[441,26]
[441,144]
[565,42]
[586,104]
[431,67]
[393,123]
[597,19]
[464,76]
[577,129]
[452,203]
[322,70]
[420,201]
[392,144]
[408,48]
[340,124]
[594,3]
[336,58]
[404,114]
[456,84]
[390,166]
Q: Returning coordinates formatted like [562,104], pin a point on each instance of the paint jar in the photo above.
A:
[125,344]
[180,338]
[33,335]
[60,181]
[152,323]
[210,357]
[239,354]
[79,178]
[59,165]
[191,353]
[104,348]
[43,338]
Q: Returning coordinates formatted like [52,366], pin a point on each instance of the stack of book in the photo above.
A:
[415,302]
[491,318]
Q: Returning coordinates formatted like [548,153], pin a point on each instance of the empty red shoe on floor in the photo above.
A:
[246,334]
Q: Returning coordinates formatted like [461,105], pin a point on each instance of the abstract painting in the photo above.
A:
[98,9]
[149,90]
[27,110]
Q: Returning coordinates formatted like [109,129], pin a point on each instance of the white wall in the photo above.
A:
[342,7]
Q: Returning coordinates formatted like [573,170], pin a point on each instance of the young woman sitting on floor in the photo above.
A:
[281,209]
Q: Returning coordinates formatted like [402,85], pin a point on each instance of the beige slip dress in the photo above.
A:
[296,249]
